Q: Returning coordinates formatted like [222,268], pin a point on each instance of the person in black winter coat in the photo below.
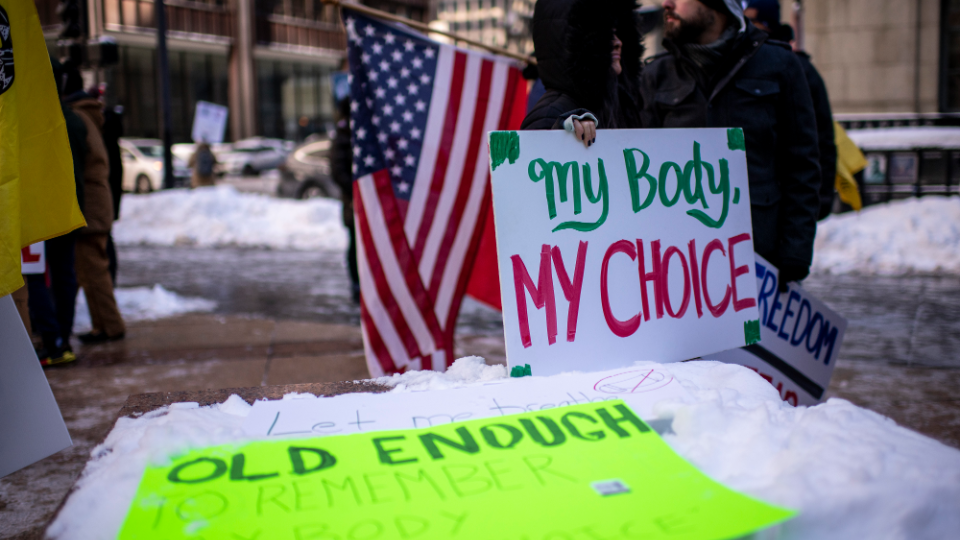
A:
[765,15]
[112,131]
[341,164]
[588,57]
[721,72]
[52,308]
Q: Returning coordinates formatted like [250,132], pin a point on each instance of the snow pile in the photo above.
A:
[222,216]
[900,237]
[464,371]
[99,504]
[143,304]
[850,472]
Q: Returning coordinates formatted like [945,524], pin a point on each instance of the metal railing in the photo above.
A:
[898,174]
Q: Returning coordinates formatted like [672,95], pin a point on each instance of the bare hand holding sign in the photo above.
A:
[644,237]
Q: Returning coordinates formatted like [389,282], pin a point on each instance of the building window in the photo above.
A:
[295,99]
[193,77]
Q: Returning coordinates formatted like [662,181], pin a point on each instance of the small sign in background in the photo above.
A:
[209,123]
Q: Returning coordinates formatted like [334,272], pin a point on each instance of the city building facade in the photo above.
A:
[499,23]
[269,61]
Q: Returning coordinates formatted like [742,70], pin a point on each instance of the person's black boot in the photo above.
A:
[54,352]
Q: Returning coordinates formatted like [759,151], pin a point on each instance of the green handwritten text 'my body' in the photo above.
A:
[691,181]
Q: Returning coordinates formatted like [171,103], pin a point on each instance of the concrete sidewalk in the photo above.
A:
[198,352]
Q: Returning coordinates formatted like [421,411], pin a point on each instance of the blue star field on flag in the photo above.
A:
[391,74]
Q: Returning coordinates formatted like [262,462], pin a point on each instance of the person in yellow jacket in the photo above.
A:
[850,161]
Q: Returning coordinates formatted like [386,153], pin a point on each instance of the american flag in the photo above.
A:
[420,112]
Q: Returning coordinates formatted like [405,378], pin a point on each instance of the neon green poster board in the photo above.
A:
[591,471]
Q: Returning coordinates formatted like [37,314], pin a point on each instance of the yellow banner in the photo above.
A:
[38,198]
[591,471]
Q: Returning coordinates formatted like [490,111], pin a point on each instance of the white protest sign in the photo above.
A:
[636,248]
[209,123]
[33,259]
[800,340]
[641,387]
[31,427]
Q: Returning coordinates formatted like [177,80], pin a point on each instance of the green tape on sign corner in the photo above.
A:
[592,470]
[504,145]
[521,371]
[751,331]
[735,139]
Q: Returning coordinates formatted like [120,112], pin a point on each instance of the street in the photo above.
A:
[913,320]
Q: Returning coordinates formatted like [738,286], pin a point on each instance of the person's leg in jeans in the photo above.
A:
[43,316]
[93,274]
[63,280]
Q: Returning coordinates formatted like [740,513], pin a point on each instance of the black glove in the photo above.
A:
[790,272]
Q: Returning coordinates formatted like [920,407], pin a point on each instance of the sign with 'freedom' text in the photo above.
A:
[637,248]
[800,339]
[593,470]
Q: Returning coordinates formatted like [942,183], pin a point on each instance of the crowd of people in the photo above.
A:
[726,64]
[83,259]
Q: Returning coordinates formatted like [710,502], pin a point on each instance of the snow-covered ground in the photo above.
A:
[142,304]
[900,237]
[849,471]
[222,216]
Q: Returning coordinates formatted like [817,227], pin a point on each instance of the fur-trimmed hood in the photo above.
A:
[572,40]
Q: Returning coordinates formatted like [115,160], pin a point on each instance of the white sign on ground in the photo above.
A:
[33,259]
[209,123]
[31,427]
[800,339]
[640,387]
[636,248]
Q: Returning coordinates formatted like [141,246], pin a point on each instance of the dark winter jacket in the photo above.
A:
[759,87]
[77,136]
[825,137]
[341,161]
[98,200]
[573,40]
[112,131]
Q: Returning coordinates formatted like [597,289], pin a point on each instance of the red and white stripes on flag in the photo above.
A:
[415,256]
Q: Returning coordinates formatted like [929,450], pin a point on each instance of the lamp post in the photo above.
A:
[163,77]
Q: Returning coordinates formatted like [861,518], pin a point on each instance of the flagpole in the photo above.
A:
[426,28]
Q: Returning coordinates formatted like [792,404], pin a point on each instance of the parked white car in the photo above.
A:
[253,156]
[143,165]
